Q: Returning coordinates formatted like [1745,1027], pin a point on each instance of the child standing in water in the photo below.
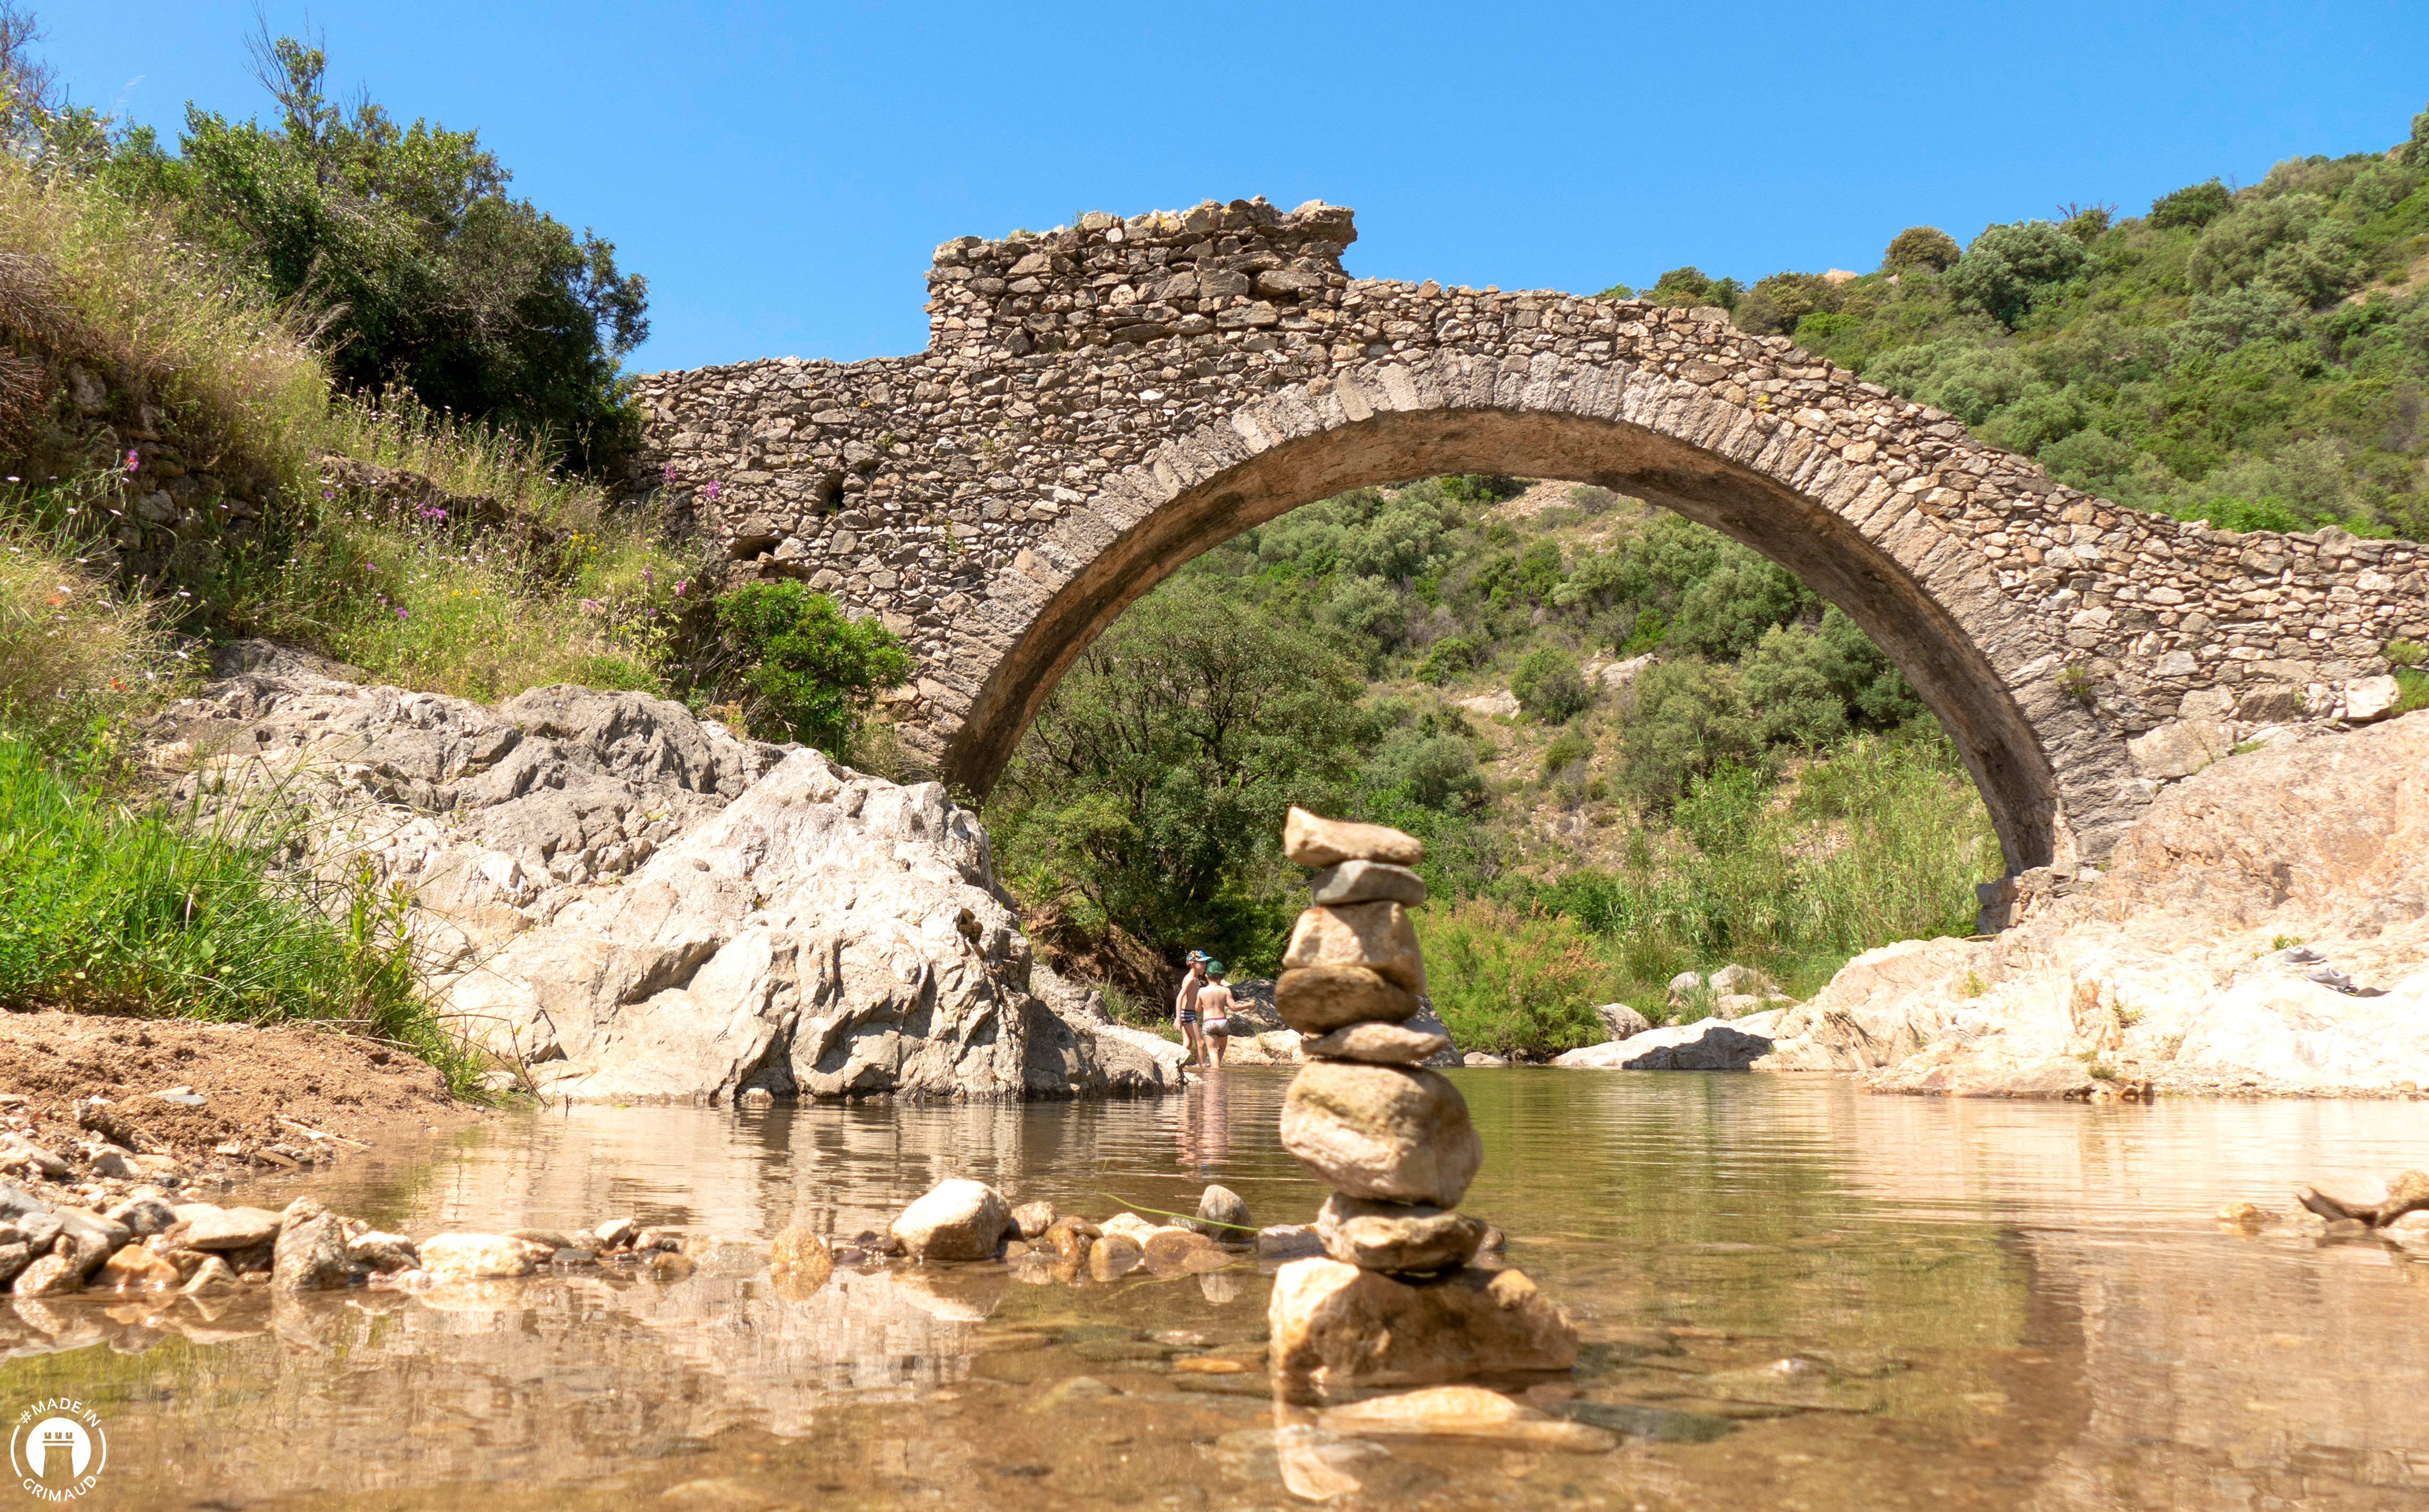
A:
[1184,1005]
[1215,1003]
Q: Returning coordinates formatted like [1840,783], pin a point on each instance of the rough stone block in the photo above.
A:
[1312,841]
[1335,1325]
[1377,936]
[1366,881]
[1386,1133]
[1319,999]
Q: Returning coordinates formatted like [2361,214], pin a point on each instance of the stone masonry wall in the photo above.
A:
[1099,402]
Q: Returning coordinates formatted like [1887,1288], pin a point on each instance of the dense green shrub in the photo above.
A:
[1923,247]
[2195,206]
[1550,687]
[812,673]
[1149,794]
[1511,982]
[2006,268]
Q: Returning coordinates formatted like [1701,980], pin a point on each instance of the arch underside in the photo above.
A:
[1925,637]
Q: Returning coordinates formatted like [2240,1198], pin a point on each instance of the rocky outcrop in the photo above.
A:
[621,900]
[2264,927]
[1714,1043]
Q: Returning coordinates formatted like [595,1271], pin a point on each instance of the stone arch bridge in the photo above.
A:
[1100,403]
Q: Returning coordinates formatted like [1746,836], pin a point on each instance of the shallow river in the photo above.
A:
[1996,1304]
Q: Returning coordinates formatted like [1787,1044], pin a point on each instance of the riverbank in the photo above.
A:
[179,1101]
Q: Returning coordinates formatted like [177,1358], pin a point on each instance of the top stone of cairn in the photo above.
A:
[1311,841]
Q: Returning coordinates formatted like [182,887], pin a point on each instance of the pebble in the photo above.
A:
[1467,1412]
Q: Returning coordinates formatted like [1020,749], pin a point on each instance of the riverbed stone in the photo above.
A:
[380,1252]
[1470,1413]
[1387,1133]
[1366,881]
[1390,1045]
[311,1255]
[480,1257]
[1337,1325]
[799,1263]
[212,1275]
[211,1227]
[1317,1000]
[2353,1197]
[137,1268]
[1396,1235]
[1032,1219]
[1069,1237]
[2408,1192]
[1376,936]
[615,1234]
[49,1277]
[1114,1255]
[1621,1021]
[1182,1252]
[1311,841]
[956,1220]
[1222,1216]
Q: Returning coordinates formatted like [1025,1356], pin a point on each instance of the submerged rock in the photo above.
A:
[1707,1044]
[956,1220]
[1465,1412]
[1223,1216]
[480,1257]
[1336,1326]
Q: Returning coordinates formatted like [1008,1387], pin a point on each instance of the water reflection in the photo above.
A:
[1995,1304]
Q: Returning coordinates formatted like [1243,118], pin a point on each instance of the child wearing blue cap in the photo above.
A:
[1185,1007]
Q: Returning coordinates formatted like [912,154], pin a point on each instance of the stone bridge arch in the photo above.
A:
[1101,403]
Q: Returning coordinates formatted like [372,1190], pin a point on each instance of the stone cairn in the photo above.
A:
[1399,1300]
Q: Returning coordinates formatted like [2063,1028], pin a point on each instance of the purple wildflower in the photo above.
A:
[668,473]
[710,489]
[593,606]
[400,612]
[134,459]
[679,584]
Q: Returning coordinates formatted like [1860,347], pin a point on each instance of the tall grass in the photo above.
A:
[433,607]
[101,278]
[1882,840]
[396,430]
[77,654]
[160,912]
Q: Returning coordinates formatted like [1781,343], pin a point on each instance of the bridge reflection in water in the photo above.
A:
[2020,1305]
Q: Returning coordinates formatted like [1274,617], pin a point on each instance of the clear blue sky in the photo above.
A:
[781,172]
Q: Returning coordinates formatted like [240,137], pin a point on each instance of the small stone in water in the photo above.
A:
[956,1219]
[1033,1217]
[1467,1412]
[1222,1216]
[1113,1257]
[2244,1215]
[615,1233]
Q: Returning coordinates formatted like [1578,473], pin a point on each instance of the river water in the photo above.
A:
[1992,1304]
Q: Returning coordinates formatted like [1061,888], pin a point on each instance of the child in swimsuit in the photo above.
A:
[1185,1007]
[1214,1002]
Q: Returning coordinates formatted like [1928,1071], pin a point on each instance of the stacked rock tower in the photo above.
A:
[1399,1300]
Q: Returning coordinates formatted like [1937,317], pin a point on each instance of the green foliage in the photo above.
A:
[1549,686]
[2008,269]
[812,673]
[163,912]
[2256,357]
[1149,794]
[2194,206]
[1687,287]
[401,245]
[1920,247]
[1511,982]
[1736,877]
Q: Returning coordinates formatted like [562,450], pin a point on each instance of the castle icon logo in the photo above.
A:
[57,1449]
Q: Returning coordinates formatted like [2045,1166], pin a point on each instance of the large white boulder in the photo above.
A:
[2263,928]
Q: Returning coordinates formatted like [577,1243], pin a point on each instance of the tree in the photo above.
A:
[2008,269]
[401,242]
[812,673]
[2195,206]
[1923,247]
[1151,788]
